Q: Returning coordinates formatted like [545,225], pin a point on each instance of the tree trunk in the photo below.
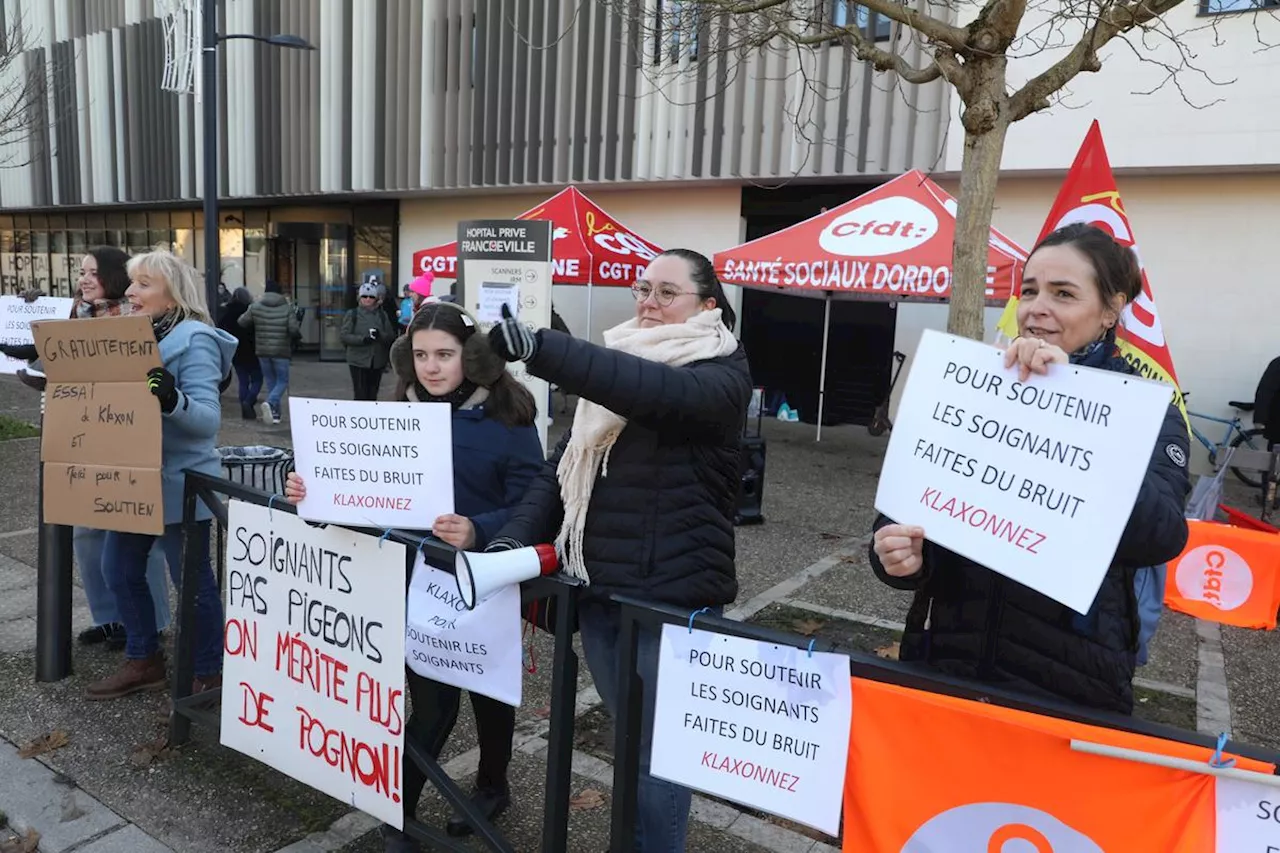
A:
[981,171]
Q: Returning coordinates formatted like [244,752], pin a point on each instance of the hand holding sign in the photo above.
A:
[901,549]
[1032,355]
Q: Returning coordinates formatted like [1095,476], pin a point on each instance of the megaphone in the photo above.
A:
[480,574]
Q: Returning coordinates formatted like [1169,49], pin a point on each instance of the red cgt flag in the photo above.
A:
[1089,194]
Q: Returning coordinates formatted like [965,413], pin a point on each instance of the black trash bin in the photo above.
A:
[259,466]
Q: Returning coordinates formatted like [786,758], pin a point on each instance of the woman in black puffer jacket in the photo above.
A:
[966,620]
[639,496]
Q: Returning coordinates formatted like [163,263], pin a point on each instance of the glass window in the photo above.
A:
[60,275]
[231,244]
[40,273]
[1218,7]
[8,266]
[255,260]
[845,14]
[22,256]
[96,233]
[137,238]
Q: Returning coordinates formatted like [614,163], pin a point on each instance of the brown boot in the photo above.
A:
[134,677]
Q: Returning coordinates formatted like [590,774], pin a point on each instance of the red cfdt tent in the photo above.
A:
[588,247]
[893,242]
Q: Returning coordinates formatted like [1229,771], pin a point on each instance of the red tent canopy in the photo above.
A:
[589,245]
[893,242]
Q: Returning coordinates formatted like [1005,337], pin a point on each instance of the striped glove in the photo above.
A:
[511,339]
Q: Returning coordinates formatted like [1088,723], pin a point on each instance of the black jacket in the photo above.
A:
[969,621]
[660,524]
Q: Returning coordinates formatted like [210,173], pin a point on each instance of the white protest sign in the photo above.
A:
[1248,816]
[313,656]
[16,317]
[373,464]
[1034,480]
[762,725]
[477,650]
[493,295]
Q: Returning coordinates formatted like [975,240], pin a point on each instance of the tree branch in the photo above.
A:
[928,26]
[1120,18]
[865,49]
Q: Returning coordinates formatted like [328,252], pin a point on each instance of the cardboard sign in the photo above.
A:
[384,465]
[101,439]
[1034,480]
[16,317]
[477,650]
[759,724]
[313,656]
[1248,816]
[931,773]
[1226,574]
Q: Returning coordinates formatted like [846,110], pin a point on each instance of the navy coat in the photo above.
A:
[493,465]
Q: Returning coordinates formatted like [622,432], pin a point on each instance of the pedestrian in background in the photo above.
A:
[274,324]
[367,333]
[245,362]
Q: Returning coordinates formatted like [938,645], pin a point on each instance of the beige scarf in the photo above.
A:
[595,428]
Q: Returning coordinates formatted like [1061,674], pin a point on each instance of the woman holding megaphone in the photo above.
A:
[966,620]
[639,496]
[496,454]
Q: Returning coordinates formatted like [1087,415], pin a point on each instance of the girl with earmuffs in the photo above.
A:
[496,453]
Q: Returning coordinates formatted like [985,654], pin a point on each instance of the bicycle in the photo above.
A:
[1234,435]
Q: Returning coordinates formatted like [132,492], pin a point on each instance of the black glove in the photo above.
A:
[511,339]
[26,352]
[502,543]
[162,386]
[31,294]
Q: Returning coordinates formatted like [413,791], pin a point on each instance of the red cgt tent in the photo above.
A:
[589,246]
[893,242]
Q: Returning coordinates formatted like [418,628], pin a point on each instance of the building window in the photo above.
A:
[675,31]
[847,14]
[1222,7]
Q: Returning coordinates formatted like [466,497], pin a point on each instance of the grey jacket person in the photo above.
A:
[363,350]
[274,324]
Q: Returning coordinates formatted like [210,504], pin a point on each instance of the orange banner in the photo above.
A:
[1089,194]
[930,773]
[1226,574]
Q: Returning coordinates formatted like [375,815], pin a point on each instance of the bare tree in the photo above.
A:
[926,45]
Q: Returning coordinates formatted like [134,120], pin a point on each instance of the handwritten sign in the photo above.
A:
[1034,480]
[374,464]
[1248,816]
[101,439]
[493,296]
[16,317]
[477,650]
[759,724]
[313,656]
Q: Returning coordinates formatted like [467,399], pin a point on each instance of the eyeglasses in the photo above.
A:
[665,294]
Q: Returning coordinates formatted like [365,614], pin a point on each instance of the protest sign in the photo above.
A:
[477,650]
[1248,816]
[929,772]
[1034,480]
[386,465]
[101,439]
[508,261]
[16,317]
[1226,574]
[756,723]
[313,655]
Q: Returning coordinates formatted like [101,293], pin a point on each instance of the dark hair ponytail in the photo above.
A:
[510,403]
[1115,267]
[703,274]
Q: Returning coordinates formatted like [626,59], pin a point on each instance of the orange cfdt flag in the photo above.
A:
[1226,574]
[934,774]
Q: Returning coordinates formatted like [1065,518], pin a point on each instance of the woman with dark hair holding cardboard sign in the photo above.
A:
[496,453]
[968,621]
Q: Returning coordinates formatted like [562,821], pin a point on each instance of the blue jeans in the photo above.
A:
[250,377]
[275,377]
[662,808]
[88,543]
[124,561]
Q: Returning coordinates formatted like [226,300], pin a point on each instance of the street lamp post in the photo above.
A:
[209,50]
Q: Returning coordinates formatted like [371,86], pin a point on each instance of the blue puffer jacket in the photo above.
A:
[198,356]
[493,465]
